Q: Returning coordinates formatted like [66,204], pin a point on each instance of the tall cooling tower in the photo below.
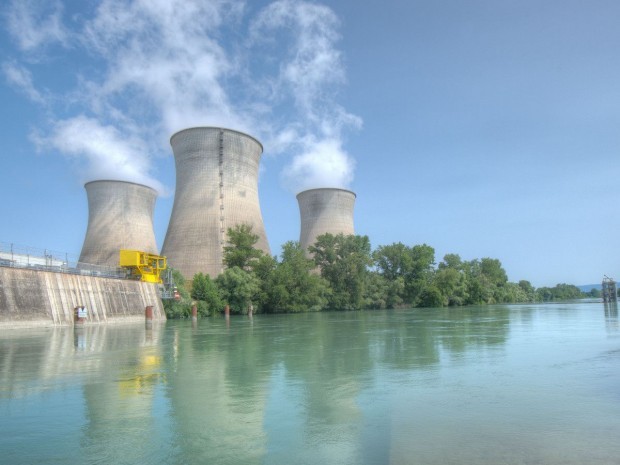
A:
[216,189]
[324,211]
[120,216]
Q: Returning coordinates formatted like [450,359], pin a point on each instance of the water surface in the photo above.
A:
[485,385]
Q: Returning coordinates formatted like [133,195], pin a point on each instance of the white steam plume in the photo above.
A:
[308,73]
[325,164]
[163,55]
[164,65]
[106,152]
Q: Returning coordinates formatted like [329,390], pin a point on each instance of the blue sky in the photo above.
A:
[483,128]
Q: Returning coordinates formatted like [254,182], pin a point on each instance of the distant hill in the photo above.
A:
[589,287]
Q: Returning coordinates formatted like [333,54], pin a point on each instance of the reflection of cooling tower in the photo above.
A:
[216,189]
[325,211]
[120,216]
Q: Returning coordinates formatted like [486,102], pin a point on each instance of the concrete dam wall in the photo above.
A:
[43,298]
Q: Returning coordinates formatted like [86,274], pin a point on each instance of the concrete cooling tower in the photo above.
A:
[120,216]
[216,189]
[324,211]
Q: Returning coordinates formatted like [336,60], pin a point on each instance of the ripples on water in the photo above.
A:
[499,384]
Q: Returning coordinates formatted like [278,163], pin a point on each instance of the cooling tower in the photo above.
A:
[325,211]
[216,189]
[120,216]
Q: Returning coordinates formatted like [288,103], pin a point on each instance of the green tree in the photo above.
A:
[383,293]
[513,293]
[182,307]
[477,292]
[238,288]
[451,260]
[263,269]
[292,287]
[343,261]
[494,278]
[200,286]
[529,290]
[527,287]
[414,265]
[492,269]
[485,281]
[205,290]
[453,286]
[393,261]
[239,250]
[420,276]
[431,297]
[545,294]
[559,292]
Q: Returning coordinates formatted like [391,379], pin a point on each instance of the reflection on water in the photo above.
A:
[107,373]
[520,384]
[611,316]
[36,360]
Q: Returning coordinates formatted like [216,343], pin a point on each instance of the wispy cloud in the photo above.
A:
[309,72]
[35,23]
[164,65]
[310,62]
[21,79]
[163,56]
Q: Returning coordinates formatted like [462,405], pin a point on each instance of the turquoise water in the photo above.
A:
[537,384]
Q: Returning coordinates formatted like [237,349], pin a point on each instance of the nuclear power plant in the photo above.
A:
[120,216]
[326,210]
[216,189]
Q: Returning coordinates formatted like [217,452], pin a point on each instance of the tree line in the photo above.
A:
[344,273]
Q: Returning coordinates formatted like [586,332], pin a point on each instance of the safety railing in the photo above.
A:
[21,256]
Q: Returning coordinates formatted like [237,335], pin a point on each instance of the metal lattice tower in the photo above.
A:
[609,291]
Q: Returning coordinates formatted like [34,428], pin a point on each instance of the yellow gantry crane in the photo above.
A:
[143,266]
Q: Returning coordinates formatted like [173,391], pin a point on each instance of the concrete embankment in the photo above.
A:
[43,298]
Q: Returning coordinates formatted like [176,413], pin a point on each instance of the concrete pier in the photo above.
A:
[42,298]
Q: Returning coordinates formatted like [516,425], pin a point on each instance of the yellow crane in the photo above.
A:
[143,266]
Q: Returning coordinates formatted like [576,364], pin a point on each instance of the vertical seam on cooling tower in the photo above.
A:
[221,178]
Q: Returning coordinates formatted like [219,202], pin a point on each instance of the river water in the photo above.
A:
[528,384]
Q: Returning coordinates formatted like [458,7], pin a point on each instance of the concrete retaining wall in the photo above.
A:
[42,298]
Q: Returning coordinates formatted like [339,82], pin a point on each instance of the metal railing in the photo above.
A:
[32,258]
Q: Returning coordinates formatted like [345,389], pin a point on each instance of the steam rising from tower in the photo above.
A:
[324,211]
[216,189]
[120,216]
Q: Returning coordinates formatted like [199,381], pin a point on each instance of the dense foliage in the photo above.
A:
[342,272]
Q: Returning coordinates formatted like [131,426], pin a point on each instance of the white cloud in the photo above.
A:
[164,65]
[309,71]
[35,23]
[21,78]
[312,62]
[283,140]
[163,55]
